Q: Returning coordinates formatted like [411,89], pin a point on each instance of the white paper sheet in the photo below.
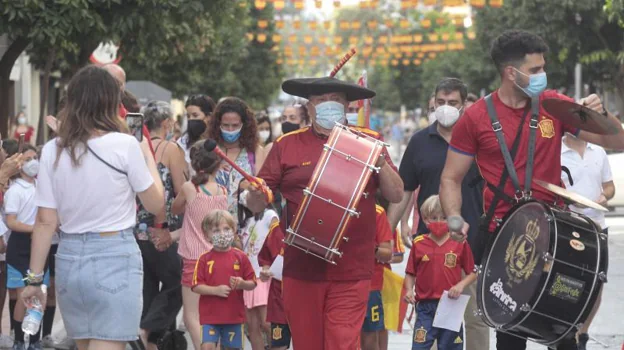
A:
[277,267]
[450,312]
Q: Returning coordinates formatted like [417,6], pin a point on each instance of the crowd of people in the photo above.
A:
[127,231]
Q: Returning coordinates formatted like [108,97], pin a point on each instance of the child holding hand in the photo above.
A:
[435,265]
[221,275]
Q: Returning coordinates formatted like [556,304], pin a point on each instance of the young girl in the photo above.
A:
[20,209]
[221,275]
[255,229]
[197,198]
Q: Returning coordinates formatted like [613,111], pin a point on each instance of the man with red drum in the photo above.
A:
[519,58]
[325,304]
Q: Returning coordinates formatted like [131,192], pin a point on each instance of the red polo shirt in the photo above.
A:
[272,247]
[438,267]
[384,234]
[473,135]
[215,268]
[288,169]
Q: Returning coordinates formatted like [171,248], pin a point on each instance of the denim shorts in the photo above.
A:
[99,285]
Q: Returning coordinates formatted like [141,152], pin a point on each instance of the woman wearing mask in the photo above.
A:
[88,180]
[22,127]
[162,292]
[234,129]
[199,109]
[265,130]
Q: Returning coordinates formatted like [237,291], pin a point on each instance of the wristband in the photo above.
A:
[32,278]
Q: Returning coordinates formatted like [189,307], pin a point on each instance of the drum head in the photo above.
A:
[514,265]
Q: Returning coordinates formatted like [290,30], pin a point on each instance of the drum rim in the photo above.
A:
[533,301]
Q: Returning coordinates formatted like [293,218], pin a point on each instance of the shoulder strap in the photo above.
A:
[105,162]
[531,153]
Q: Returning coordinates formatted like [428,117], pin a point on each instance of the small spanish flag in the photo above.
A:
[392,297]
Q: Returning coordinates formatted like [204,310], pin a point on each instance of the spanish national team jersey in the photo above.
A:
[473,135]
[383,234]
[274,246]
[213,269]
[438,267]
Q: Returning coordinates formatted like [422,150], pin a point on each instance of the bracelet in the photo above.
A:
[32,278]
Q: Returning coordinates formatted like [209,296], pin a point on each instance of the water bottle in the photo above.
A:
[34,315]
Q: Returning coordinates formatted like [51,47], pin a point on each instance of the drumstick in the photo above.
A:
[342,62]
[211,146]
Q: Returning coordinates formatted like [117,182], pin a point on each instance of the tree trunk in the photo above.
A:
[619,87]
[6,65]
[41,127]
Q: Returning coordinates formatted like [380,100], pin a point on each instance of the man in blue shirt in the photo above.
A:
[422,166]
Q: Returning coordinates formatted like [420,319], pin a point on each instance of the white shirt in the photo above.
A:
[588,175]
[183,142]
[92,197]
[19,200]
[253,236]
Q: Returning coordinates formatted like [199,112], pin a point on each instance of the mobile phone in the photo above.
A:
[20,145]
[135,124]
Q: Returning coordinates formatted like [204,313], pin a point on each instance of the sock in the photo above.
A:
[12,303]
[48,320]
[19,334]
[35,337]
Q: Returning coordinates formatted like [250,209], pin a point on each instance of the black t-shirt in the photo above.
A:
[422,165]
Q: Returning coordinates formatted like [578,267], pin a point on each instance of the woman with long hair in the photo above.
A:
[234,129]
[87,184]
[199,110]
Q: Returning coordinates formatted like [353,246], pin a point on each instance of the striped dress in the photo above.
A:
[192,242]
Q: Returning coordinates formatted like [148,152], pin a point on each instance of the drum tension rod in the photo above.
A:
[351,212]
[350,157]
[549,258]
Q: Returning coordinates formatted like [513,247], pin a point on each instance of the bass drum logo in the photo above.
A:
[521,254]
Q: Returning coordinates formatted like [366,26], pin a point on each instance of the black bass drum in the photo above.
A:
[543,273]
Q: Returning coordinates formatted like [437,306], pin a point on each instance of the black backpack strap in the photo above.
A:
[105,162]
[531,152]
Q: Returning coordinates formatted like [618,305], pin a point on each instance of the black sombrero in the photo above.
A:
[306,87]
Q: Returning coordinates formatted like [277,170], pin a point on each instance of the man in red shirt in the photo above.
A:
[519,58]
[325,304]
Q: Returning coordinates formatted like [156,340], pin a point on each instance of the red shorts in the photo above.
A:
[188,269]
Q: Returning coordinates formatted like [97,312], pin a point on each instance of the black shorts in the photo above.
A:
[280,335]
[51,259]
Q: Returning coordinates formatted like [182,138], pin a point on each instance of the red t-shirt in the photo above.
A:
[473,135]
[288,169]
[27,135]
[438,268]
[215,268]
[384,234]
[272,247]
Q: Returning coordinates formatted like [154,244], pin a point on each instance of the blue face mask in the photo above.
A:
[537,84]
[328,113]
[231,136]
[352,118]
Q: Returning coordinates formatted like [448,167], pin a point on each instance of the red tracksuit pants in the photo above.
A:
[325,314]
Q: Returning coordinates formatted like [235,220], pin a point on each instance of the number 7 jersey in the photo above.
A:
[213,269]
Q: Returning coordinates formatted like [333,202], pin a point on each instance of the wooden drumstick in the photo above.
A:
[342,62]
[211,146]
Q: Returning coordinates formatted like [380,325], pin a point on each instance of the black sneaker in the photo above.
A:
[582,341]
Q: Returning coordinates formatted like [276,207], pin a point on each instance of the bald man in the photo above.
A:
[117,72]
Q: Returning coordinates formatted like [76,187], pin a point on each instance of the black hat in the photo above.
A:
[306,87]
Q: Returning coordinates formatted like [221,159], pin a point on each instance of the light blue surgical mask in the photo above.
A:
[231,136]
[352,118]
[329,113]
[537,84]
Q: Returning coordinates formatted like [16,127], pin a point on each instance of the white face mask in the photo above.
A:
[352,118]
[447,115]
[329,113]
[21,120]
[264,135]
[31,168]
[432,118]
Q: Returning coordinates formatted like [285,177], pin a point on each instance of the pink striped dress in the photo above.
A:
[192,242]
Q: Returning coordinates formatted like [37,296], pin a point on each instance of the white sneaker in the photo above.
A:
[65,344]
[48,342]
[6,342]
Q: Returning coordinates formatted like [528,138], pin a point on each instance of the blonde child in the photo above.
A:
[221,275]
[435,265]
[198,197]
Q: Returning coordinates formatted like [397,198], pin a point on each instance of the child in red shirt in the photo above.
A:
[374,320]
[438,262]
[220,277]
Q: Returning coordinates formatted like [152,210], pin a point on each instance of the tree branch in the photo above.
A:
[11,54]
